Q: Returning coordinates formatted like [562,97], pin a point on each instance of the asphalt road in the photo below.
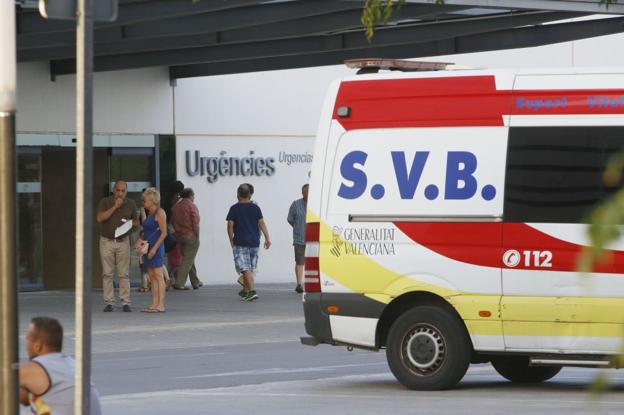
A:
[212,354]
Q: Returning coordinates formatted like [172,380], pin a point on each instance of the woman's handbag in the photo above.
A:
[141,246]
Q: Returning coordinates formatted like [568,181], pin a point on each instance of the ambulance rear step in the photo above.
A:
[309,341]
[598,361]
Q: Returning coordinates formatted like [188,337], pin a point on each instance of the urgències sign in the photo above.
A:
[215,166]
[226,165]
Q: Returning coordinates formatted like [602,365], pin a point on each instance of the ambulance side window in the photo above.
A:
[554,174]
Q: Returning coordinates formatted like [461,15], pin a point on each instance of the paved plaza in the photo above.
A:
[213,354]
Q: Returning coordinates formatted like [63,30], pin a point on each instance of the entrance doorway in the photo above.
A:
[29,242]
[46,209]
[137,167]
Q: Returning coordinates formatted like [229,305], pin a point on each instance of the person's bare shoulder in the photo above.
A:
[34,378]
[160,214]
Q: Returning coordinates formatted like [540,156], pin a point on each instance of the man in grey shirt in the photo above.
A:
[47,381]
[297,219]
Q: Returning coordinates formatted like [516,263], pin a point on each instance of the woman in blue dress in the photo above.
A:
[154,232]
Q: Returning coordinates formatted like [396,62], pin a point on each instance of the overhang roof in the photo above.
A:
[211,37]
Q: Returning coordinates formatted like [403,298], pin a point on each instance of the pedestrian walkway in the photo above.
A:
[194,313]
[213,354]
[137,355]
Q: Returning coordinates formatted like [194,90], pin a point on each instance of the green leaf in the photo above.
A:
[378,12]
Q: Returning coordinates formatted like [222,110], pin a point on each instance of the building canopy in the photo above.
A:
[213,37]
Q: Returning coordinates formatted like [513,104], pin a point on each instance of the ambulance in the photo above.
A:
[447,211]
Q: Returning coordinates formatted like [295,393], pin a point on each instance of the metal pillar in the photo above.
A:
[9,401]
[84,211]
[8,286]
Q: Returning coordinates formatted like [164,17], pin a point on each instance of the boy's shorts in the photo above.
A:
[245,258]
[299,254]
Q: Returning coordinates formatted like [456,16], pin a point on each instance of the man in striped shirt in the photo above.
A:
[297,219]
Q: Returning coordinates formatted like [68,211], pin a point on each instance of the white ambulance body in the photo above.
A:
[446,214]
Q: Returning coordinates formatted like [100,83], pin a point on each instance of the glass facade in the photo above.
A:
[45,163]
[135,166]
[29,234]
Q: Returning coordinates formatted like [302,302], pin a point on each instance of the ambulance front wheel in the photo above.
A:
[517,369]
[428,349]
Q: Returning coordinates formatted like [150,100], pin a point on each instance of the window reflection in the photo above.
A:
[554,174]
[29,234]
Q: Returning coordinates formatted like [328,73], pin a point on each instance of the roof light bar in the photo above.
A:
[371,65]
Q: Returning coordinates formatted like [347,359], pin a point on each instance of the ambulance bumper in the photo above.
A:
[316,321]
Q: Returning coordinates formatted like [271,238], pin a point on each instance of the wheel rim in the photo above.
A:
[424,348]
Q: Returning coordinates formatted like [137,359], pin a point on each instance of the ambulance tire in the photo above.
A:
[517,369]
[428,348]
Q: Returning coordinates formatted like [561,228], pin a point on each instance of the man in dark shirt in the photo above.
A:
[244,223]
[114,211]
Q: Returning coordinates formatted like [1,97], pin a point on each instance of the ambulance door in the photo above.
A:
[553,181]
[417,209]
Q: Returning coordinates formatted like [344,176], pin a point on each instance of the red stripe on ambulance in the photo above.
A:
[472,243]
[430,102]
[312,273]
[460,101]
[485,244]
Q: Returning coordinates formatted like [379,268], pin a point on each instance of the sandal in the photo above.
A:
[149,310]
[142,289]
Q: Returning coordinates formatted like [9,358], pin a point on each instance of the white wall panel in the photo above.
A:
[599,51]
[261,103]
[137,101]
[273,193]
[43,105]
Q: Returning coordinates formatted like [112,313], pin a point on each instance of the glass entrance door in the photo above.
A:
[138,168]
[29,233]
